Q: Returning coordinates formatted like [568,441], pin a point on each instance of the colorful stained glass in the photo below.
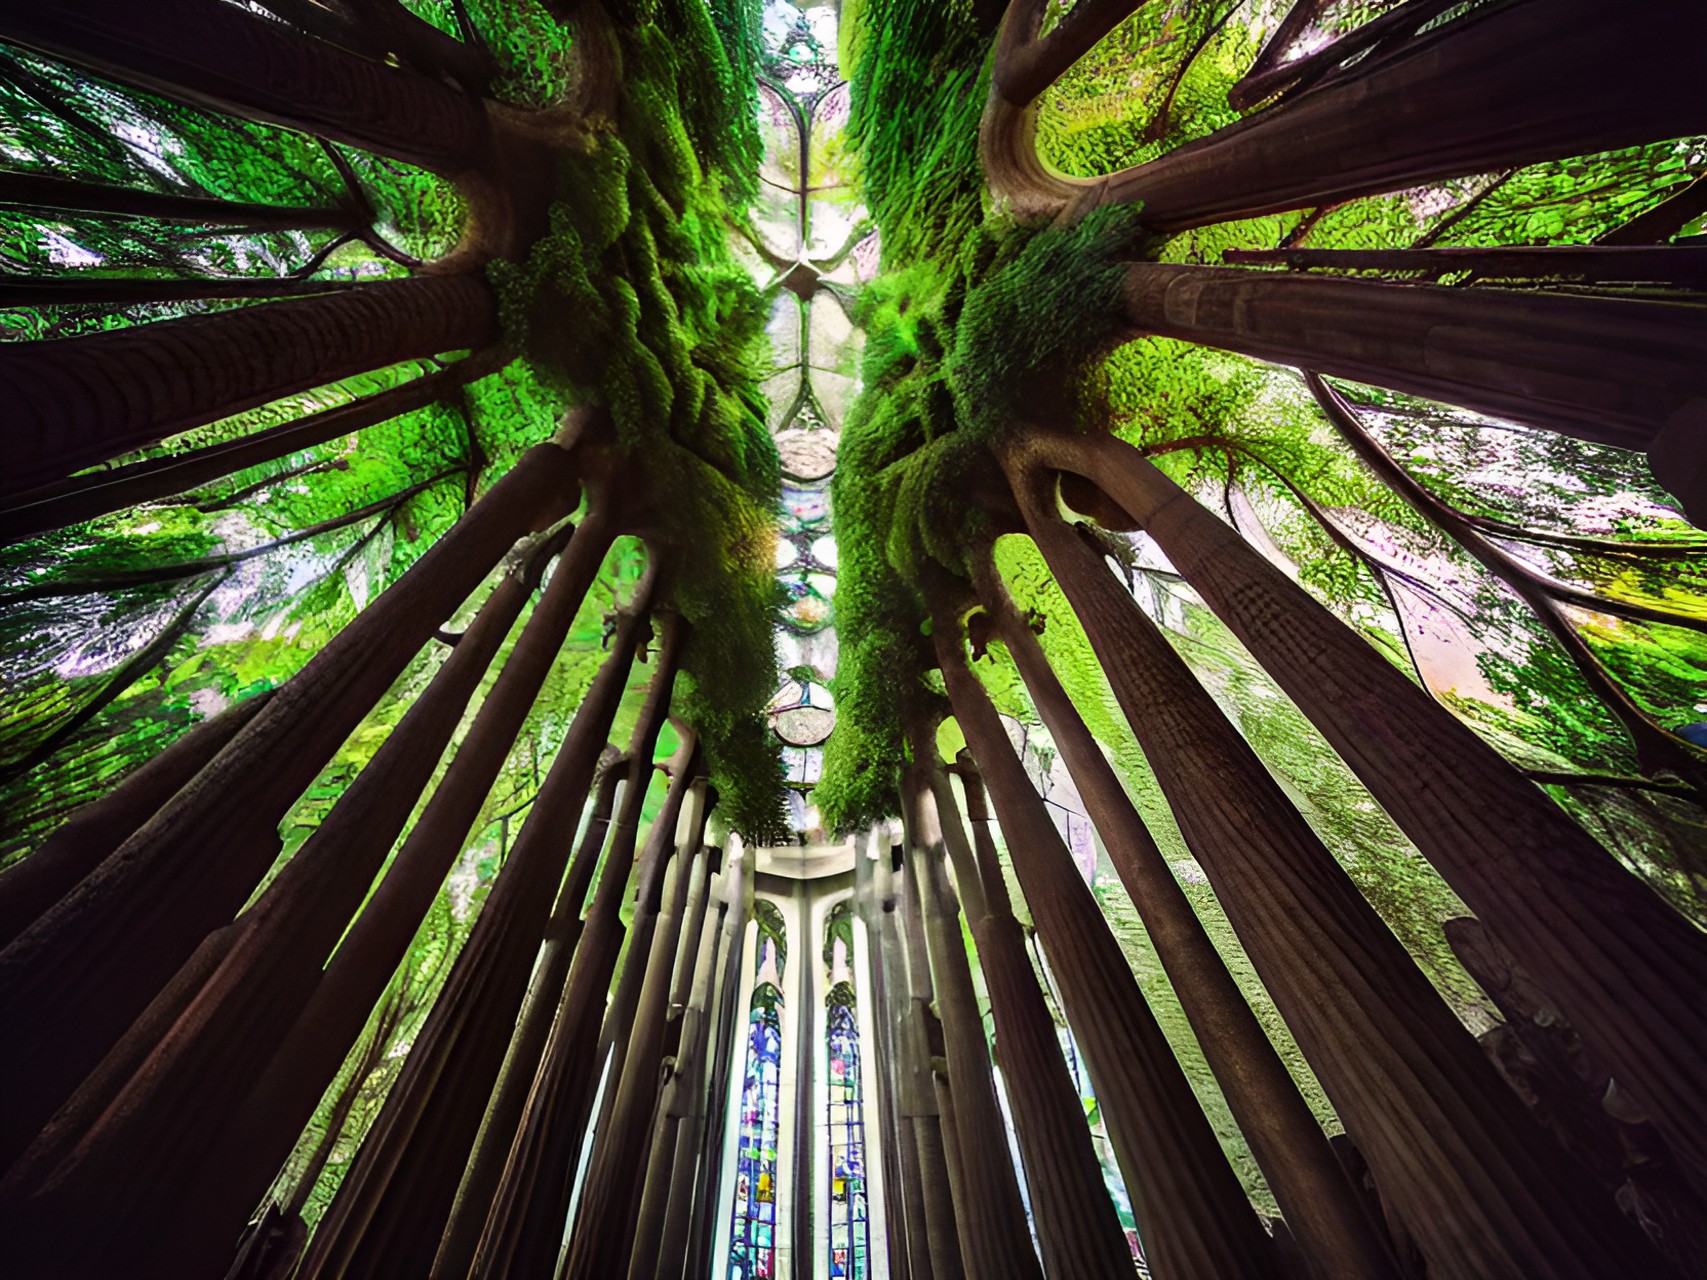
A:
[849,1207]
[752,1245]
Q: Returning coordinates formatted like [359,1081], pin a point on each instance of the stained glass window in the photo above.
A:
[849,1206]
[752,1246]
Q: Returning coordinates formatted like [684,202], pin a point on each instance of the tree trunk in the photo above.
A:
[29,888]
[281,1101]
[1493,90]
[101,493]
[1322,1208]
[667,1204]
[1613,370]
[81,973]
[611,1194]
[907,1194]
[695,1243]
[43,191]
[202,1071]
[1620,963]
[530,1209]
[527,1045]
[80,401]
[223,58]
[1476,1181]
[394,1201]
[1192,1213]
[1076,1224]
[993,1238]
[938,1224]
[423,46]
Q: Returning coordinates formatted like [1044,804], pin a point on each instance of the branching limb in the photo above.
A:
[133,669]
[1027,63]
[1656,747]
[127,579]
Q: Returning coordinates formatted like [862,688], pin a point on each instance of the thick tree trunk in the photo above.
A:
[530,1209]
[224,58]
[202,1071]
[993,1238]
[1496,89]
[527,1044]
[1477,1182]
[1621,964]
[43,191]
[101,493]
[1192,1213]
[81,973]
[392,1205]
[30,887]
[1322,1208]
[79,401]
[1613,370]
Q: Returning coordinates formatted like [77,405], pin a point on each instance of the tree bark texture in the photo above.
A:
[525,1226]
[201,1072]
[393,1203]
[1476,1181]
[610,1198]
[1615,371]
[683,1143]
[79,401]
[993,1238]
[1496,89]
[894,1010]
[1322,1208]
[1622,965]
[30,887]
[81,973]
[527,1044]
[1192,1213]
[1073,1213]
[280,1102]
[226,59]
[921,1116]
[154,479]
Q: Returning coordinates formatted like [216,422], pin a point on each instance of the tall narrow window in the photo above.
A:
[849,1206]
[752,1246]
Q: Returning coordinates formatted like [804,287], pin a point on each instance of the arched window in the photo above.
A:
[752,1246]
[849,1207]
